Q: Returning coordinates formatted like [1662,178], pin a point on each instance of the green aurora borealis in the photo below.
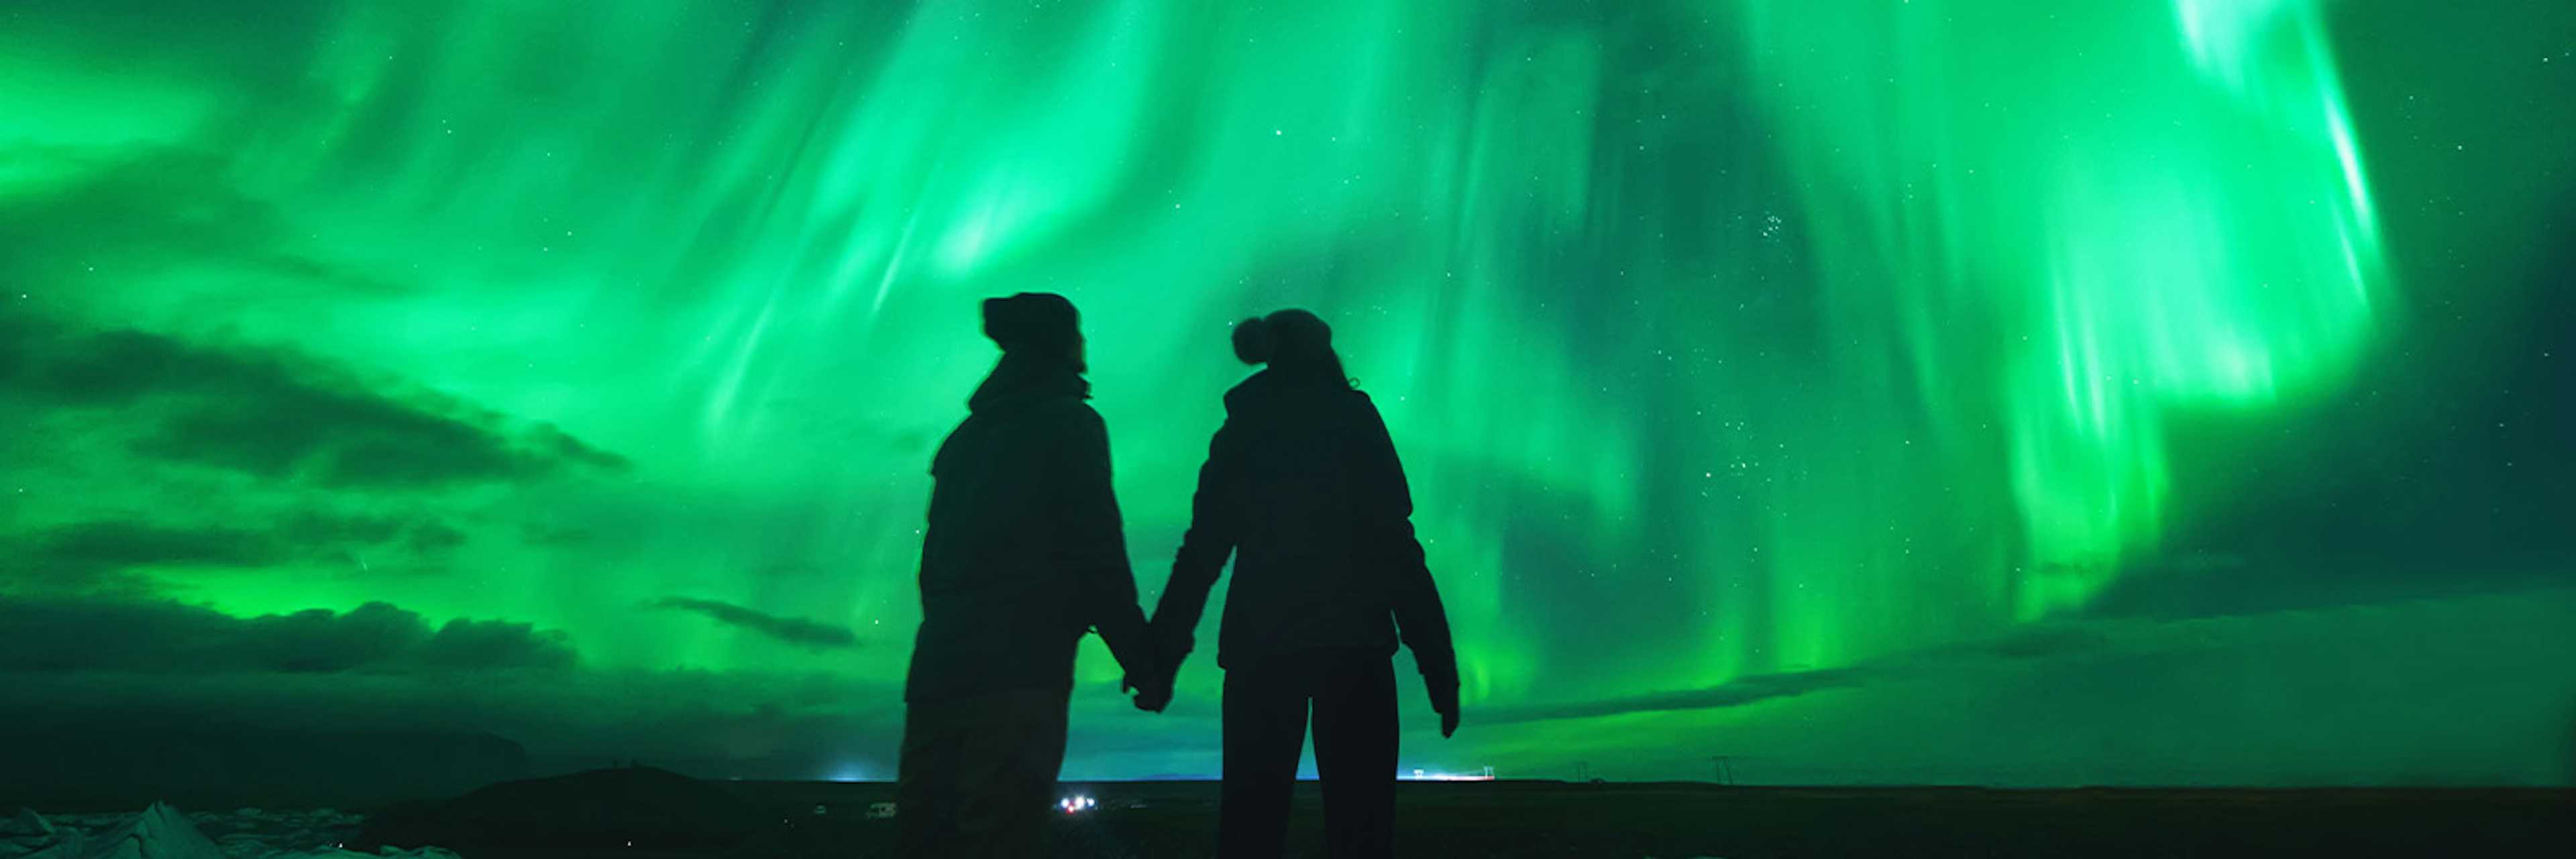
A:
[1949,390]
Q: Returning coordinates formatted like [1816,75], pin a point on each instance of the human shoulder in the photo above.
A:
[1243,393]
[1076,419]
[1358,403]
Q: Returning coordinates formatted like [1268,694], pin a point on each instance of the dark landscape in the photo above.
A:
[1551,818]
[644,812]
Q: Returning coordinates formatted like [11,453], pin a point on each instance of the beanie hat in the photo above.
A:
[1041,321]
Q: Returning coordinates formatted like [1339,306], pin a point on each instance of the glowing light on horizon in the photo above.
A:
[1433,775]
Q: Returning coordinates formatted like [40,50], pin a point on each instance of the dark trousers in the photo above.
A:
[1352,696]
[978,774]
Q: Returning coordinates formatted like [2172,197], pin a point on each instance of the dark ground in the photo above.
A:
[1628,820]
[597,814]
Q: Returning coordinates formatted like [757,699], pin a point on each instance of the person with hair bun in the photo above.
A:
[1303,488]
[1023,556]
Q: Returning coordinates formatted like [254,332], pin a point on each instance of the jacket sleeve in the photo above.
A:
[1204,548]
[1385,506]
[1093,550]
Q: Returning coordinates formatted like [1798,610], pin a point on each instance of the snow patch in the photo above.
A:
[162,832]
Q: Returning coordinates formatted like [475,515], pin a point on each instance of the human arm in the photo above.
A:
[1092,548]
[1386,528]
[1204,548]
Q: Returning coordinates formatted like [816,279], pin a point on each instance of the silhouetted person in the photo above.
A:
[1022,556]
[1302,485]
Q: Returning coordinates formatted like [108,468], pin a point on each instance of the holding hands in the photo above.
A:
[1153,693]
[1154,687]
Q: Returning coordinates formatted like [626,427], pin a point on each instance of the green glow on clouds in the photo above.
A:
[1722,339]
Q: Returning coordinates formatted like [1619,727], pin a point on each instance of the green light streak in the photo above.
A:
[2111,226]
[1720,338]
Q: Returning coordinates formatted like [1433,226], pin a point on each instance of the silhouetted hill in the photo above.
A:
[627,808]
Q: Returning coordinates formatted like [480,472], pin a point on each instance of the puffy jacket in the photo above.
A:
[1024,552]
[1303,488]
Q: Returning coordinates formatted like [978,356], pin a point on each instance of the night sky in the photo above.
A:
[1975,391]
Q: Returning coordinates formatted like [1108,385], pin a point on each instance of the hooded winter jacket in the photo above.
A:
[1024,552]
[1303,488]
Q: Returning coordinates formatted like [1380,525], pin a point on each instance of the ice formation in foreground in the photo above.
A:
[162,832]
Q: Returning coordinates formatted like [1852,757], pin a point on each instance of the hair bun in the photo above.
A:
[1254,342]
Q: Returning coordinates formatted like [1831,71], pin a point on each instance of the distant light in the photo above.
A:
[1424,775]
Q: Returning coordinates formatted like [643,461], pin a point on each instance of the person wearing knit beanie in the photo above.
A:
[1024,554]
[1035,323]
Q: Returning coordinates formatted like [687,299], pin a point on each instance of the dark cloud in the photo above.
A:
[470,645]
[2040,642]
[166,637]
[550,533]
[2321,576]
[547,439]
[322,528]
[796,631]
[431,537]
[96,556]
[322,533]
[1742,690]
[169,207]
[90,555]
[135,544]
[749,724]
[2036,643]
[273,413]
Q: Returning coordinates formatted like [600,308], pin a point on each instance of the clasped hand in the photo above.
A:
[1153,693]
